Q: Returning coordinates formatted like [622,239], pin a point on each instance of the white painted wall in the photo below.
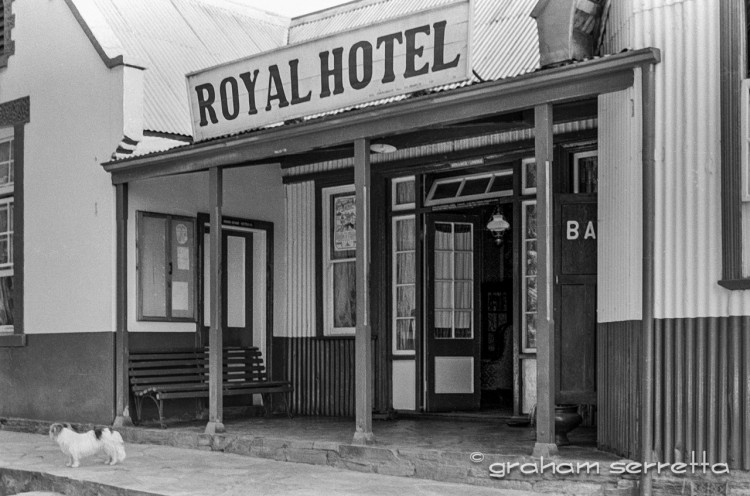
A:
[76,123]
[255,193]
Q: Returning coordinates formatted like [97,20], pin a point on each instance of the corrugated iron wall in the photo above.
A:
[322,373]
[620,213]
[618,390]
[300,259]
[687,143]
[702,390]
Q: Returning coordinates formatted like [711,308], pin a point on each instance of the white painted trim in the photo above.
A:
[327,265]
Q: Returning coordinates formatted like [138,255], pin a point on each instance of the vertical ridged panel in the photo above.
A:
[322,373]
[620,239]
[300,259]
[618,391]
[617,33]
[688,217]
[703,390]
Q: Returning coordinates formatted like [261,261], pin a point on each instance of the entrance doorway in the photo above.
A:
[469,332]
[246,283]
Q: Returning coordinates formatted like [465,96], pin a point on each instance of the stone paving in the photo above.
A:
[33,460]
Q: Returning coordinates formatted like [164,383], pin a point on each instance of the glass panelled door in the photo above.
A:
[452,337]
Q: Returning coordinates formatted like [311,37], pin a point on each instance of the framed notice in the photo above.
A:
[344,223]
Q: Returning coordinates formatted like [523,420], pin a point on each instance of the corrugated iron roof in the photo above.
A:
[504,44]
[175,37]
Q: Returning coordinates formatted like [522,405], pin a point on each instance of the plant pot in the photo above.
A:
[568,29]
[566,419]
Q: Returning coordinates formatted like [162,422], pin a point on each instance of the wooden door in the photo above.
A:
[575,298]
[452,337]
[237,287]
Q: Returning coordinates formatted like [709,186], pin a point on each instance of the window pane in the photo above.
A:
[476,186]
[405,268]
[446,190]
[5,151]
[4,218]
[405,235]
[531,258]
[183,267]
[531,221]
[4,249]
[443,324]
[502,183]
[405,334]
[152,267]
[344,294]
[463,265]
[463,324]
[6,300]
[463,297]
[587,174]
[405,192]
[443,266]
[530,175]
[530,331]
[531,294]
[405,296]
[443,295]
[463,237]
[443,237]
[5,171]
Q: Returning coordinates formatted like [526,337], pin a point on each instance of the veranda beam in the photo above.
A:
[545,325]
[122,407]
[558,85]
[215,338]
[362,340]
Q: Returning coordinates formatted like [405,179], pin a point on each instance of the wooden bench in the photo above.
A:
[164,375]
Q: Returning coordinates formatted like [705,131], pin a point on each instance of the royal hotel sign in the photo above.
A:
[423,50]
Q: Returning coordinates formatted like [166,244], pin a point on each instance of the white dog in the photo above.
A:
[77,446]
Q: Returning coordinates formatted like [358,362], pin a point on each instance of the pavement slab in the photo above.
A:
[171,471]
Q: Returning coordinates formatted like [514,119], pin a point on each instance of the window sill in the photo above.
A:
[12,340]
[735,284]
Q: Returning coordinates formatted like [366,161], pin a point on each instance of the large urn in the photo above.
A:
[566,419]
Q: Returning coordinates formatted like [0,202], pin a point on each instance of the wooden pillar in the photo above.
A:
[215,341]
[648,130]
[122,396]
[545,325]
[362,340]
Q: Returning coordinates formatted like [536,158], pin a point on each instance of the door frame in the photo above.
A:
[239,224]
[428,280]
[558,232]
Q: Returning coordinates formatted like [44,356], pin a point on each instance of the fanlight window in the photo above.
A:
[472,187]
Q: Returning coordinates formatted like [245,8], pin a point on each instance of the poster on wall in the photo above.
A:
[344,221]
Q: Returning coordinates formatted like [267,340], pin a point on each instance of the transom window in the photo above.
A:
[472,187]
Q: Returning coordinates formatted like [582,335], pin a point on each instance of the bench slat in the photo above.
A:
[185,374]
